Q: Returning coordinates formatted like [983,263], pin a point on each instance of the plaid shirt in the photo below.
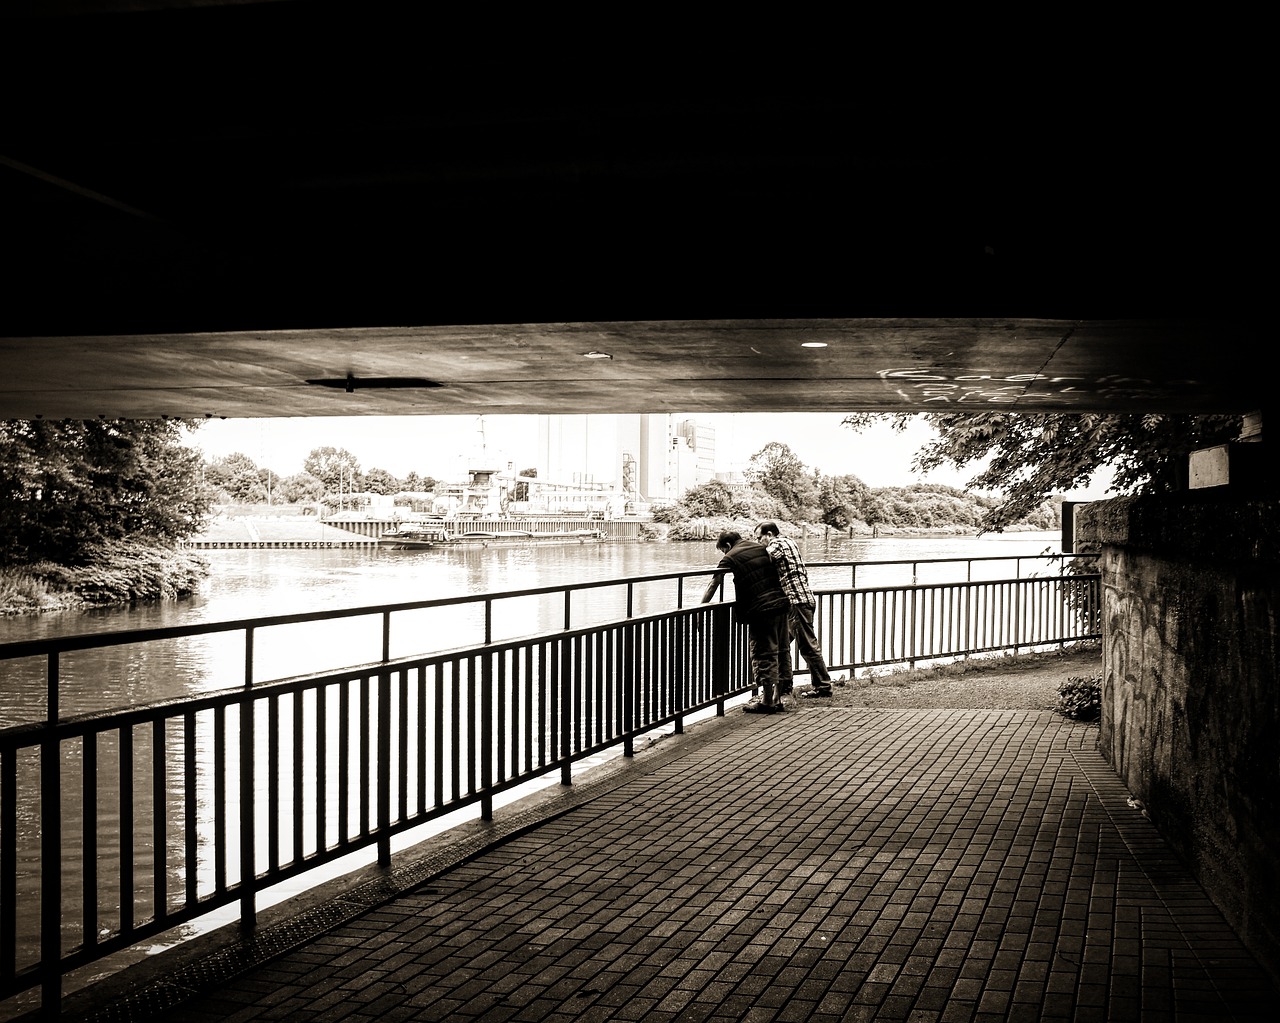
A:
[791,571]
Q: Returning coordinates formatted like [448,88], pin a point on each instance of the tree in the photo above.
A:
[270,481]
[380,481]
[713,499]
[68,487]
[300,487]
[842,499]
[778,471]
[238,477]
[1031,456]
[336,468]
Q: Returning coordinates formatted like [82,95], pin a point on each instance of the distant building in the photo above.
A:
[653,457]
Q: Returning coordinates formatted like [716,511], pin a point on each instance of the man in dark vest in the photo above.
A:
[759,603]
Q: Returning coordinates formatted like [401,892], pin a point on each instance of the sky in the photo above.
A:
[430,445]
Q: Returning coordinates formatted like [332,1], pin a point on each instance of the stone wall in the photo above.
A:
[1190,703]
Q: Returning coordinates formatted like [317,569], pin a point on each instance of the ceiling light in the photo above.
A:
[596,355]
[813,344]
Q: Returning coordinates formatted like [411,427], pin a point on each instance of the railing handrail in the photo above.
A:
[90,640]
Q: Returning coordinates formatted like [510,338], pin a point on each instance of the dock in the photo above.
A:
[263,532]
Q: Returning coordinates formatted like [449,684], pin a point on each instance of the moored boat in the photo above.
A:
[443,533]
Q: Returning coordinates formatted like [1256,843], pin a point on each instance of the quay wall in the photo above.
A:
[358,531]
[1190,694]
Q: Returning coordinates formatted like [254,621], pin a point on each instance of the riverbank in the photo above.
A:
[117,573]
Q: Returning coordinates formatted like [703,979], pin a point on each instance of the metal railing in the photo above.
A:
[201,803]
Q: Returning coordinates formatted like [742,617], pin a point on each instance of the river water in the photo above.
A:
[254,583]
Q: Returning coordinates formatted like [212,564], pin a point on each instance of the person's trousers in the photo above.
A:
[800,628]
[765,638]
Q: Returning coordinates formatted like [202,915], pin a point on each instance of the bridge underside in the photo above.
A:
[290,209]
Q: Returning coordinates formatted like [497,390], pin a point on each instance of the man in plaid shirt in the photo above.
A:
[794,578]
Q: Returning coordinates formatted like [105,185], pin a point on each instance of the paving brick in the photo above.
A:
[926,866]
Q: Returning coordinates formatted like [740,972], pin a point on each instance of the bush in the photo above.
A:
[124,571]
[1080,698]
[21,590]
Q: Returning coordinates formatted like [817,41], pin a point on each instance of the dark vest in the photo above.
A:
[758,594]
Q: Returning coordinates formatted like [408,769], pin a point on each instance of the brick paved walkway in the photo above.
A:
[825,865]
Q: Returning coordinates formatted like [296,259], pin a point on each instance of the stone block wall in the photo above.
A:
[1190,702]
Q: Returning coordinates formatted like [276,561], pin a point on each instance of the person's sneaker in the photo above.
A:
[816,694]
[762,708]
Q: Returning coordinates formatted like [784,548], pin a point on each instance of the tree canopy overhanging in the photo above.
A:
[69,487]
[1030,456]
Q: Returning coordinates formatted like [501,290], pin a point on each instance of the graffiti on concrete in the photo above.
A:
[936,386]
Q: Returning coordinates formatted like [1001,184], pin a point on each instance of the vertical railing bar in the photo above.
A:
[629,694]
[273,784]
[402,744]
[455,728]
[552,717]
[344,762]
[532,705]
[160,817]
[221,810]
[421,735]
[568,611]
[365,712]
[322,767]
[485,750]
[299,798]
[89,817]
[383,768]
[1017,611]
[439,734]
[51,849]
[248,815]
[50,872]
[126,828]
[564,683]
[581,700]
[509,685]
[468,717]
[191,853]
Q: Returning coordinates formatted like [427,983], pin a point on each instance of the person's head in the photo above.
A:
[728,539]
[766,530]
